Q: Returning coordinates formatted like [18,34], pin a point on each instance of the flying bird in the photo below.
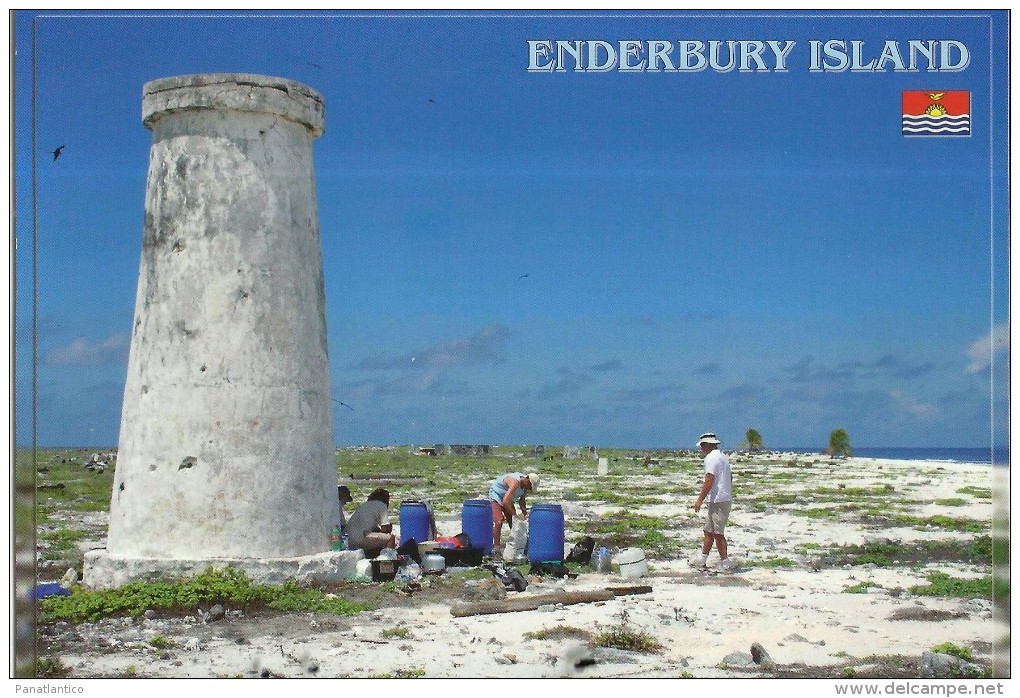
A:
[344,404]
[314,65]
[522,276]
[431,101]
[56,153]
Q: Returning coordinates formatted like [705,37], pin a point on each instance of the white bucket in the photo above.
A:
[632,562]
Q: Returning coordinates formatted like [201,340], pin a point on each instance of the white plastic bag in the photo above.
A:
[410,572]
[516,550]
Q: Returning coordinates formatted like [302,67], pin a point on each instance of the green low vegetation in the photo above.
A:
[888,554]
[624,529]
[50,668]
[558,632]
[948,523]
[396,632]
[773,562]
[227,586]
[949,648]
[941,584]
[860,588]
[624,638]
[161,643]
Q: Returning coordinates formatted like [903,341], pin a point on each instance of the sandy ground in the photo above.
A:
[800,614]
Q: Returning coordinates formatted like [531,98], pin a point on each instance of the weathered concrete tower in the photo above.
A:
[226,449]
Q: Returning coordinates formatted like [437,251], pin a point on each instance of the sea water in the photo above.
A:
[999,455]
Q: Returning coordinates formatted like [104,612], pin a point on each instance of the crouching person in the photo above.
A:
[369,527]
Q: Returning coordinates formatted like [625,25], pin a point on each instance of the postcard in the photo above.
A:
[693,325]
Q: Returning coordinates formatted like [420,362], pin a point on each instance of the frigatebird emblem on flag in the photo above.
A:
[936,113]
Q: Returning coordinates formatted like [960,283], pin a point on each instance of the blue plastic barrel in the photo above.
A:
[545,533]
[414,522]
[476,522]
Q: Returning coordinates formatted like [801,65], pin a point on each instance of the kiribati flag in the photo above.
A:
[936,113]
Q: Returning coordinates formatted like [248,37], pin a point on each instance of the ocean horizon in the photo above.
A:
[999,455]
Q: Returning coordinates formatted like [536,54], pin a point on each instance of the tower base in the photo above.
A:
[105,571]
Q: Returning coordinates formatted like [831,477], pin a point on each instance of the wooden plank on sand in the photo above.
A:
[530,603]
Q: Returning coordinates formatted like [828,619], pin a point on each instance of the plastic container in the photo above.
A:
[427,547]
[632,562]
[476,522]
[336,541]
[601,561]
[414,522]
[545,533]
[383,570]
[41,591]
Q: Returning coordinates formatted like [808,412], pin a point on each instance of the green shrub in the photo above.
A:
[559,632]
[949,648]
[941,584]
[161,643]
[777,562]
[624,638]
[216,586]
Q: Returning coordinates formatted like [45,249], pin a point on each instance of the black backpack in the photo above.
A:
[581,553]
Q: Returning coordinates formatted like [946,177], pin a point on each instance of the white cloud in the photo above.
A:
[82,352]
[913,406]
[984,348]
[483,347]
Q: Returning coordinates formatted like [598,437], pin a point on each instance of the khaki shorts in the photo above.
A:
[718,514]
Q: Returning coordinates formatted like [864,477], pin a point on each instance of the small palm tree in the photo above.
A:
[839,444]
[753,440]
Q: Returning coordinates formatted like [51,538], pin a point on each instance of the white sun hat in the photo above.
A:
[533,479]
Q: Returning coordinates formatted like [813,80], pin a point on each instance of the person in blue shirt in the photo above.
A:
[504,491]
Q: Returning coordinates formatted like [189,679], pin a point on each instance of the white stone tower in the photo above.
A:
[226,449]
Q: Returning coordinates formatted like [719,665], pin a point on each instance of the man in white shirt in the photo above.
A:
[716,491]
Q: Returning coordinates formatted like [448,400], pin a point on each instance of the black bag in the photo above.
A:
[509,577]
[581,553]
[410,549]
[516,580]
[553,569]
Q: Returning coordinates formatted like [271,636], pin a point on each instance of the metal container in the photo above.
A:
[433,562]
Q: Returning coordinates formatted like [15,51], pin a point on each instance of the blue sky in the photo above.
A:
[563,258]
